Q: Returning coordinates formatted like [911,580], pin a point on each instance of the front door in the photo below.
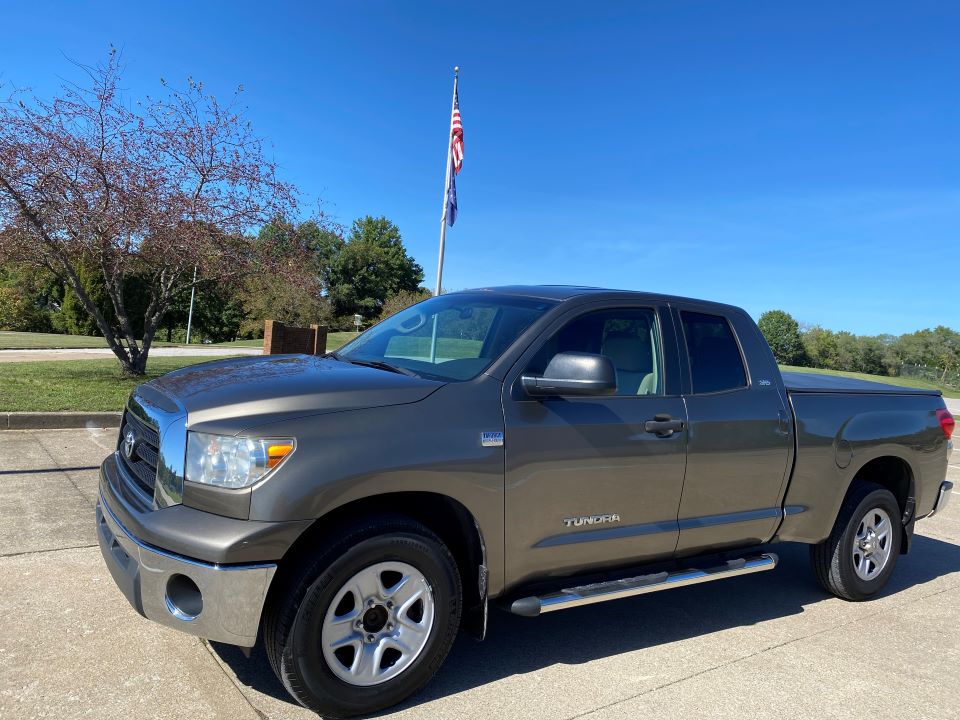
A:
[586,484]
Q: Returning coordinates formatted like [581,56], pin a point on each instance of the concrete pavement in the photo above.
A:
[771,645]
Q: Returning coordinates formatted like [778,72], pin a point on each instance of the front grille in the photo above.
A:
[141,466]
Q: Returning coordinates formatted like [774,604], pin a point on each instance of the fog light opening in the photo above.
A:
[184,599]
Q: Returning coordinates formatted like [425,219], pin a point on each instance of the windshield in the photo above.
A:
[451,337]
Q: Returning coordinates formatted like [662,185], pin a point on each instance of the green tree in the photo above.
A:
[871,356]
[267,296]
[821,346]
[369,267]
[782,333]
[848,350]
[28,298]
[73,316]
[17,312]
[401,301]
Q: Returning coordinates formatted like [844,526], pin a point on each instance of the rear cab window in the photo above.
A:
[716,363]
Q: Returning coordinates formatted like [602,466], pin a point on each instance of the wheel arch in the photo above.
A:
[894,473]
[445,516]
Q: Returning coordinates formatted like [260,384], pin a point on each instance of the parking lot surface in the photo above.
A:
[771,645]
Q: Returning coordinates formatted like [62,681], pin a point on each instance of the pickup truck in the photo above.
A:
[531,448]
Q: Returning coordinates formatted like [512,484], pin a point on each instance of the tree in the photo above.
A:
[18,312]
[269,297]
[73,317]
[370,266]
[401,301]
[821,346]
[28,299]
[782,333]
[146,190]
[871,356]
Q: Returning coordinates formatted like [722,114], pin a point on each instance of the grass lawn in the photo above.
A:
[38,341]
[94,385]
[902,381]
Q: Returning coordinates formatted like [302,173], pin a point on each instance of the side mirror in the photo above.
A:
[574,373]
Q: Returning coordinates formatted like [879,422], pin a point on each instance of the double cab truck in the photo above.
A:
[528,448]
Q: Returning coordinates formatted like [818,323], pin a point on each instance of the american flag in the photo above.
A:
[456,135]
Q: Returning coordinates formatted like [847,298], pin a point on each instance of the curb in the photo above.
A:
[58,420]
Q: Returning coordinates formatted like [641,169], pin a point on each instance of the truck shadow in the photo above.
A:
[516,645]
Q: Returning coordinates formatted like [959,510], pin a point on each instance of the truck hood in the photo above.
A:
[226,396]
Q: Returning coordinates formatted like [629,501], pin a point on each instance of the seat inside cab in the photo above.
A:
[632,356]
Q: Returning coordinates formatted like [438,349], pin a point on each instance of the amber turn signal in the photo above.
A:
[276,453]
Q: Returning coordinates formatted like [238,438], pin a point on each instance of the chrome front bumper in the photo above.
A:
[943,498]
[217,602]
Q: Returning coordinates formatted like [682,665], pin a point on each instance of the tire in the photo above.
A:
[849,568]
[316,606]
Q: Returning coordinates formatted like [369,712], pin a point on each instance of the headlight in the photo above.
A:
[233,462]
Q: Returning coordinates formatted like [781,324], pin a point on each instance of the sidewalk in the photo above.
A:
[95,353]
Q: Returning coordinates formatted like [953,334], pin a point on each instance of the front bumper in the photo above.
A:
[218,602]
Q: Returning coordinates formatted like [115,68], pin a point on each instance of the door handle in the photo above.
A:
[663,425]
[783,423]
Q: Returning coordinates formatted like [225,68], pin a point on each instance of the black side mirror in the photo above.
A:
[574,373]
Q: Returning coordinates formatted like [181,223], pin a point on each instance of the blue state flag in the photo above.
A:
[452,200]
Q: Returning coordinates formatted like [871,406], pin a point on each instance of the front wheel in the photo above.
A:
[858,558]
[368,622]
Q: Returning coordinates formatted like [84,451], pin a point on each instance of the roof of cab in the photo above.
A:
[546,292]
[561,293]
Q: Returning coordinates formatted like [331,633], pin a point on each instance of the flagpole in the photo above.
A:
[446,183]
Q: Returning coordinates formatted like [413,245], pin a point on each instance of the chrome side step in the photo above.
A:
[628,587]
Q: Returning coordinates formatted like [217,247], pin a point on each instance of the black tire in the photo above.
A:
[294,617]
[832,559]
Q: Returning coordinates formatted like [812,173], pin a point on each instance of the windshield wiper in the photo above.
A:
[380,365]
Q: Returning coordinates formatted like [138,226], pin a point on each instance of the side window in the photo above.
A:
[628,336]
[715,360]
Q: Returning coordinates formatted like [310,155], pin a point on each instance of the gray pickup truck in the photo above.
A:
[538,448]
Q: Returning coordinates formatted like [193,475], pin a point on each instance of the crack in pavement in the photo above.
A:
[47,550]
[48,470]
[66,474]
[230,678]
[762,651]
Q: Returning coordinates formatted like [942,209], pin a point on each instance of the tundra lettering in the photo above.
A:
[590,520]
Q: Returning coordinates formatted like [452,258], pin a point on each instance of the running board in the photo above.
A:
[628,587]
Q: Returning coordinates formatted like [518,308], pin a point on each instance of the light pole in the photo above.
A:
[193,289]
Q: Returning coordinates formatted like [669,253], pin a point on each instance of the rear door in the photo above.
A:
[740,441]
[586,484]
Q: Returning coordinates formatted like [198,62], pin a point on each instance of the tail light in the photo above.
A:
[947,423]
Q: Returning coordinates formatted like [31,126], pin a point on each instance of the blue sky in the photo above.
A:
[804,157]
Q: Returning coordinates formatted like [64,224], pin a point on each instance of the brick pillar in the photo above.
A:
[319,339]
[272,337]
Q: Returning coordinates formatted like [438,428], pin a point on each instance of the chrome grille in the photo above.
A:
[141,467]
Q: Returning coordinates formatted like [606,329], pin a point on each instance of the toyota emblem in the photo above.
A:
[129,444]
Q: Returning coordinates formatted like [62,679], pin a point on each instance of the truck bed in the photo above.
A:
[800,382]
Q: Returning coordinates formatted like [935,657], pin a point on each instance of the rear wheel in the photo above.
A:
[368,622]
[858,558]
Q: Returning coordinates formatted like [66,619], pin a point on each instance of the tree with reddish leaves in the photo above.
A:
[152,189]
